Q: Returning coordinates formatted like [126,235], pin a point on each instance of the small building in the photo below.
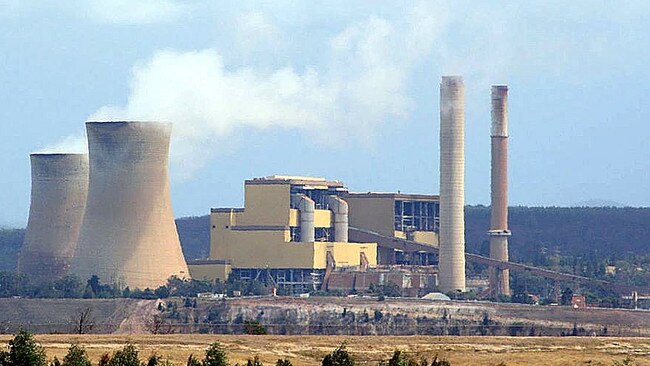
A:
[477,284]
[578,302]
[290,230]
[412,281]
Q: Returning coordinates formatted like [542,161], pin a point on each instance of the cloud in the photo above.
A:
[362,86]
[258,37]
[68,145]
[256,24]
[136,11]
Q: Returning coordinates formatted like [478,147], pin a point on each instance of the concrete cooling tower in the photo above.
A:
[59,188]
[452,184]
[128,236]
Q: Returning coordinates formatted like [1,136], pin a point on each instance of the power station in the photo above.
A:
[109,214]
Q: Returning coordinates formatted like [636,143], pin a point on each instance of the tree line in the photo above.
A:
[24,350]
[72,287]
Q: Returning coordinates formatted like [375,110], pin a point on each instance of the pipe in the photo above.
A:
[306,206]
[340,209]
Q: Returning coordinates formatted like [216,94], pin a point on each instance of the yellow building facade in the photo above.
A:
[290,231]
[407,216]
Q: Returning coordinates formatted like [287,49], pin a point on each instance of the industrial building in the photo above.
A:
[297,232]
[292,229]
[297,228]
[413,217]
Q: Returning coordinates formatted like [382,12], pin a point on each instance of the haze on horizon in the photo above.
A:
[346,90]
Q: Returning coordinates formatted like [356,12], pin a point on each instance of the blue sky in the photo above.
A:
[342,89]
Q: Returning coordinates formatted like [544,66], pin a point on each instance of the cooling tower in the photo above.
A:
[128,236]
[59,189]
[452,184]
[499,278]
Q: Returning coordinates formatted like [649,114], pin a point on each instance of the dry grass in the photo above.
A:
[309,350]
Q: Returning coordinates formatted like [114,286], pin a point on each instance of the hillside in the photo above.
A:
[605,233]
[60,315]
[616,233]
[10,242]
[194,233]
[322,315]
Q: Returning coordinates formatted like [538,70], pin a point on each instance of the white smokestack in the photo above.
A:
[452,184]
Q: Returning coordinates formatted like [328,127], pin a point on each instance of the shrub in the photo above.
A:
[254,327]
[439,362]
[25,351]
[104,360]
[157,360]
[401,359]
[254,362]
[284,362]
[127,356]
[340,357]
[627,361]
[378,315]
[76,356]
[4,358]
[215,356]
[191,361]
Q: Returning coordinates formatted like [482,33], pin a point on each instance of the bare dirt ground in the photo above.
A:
[369,350]
[136,321]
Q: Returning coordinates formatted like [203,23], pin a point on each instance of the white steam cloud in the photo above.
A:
[362,86]
[69,144]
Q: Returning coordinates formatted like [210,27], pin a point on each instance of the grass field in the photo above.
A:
[309,350]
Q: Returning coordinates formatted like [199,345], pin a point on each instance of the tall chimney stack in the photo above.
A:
[452,184]
[499,233]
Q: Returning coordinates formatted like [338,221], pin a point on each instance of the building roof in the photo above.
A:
[395,196]
[199,262]
[227,209]
[296,180]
